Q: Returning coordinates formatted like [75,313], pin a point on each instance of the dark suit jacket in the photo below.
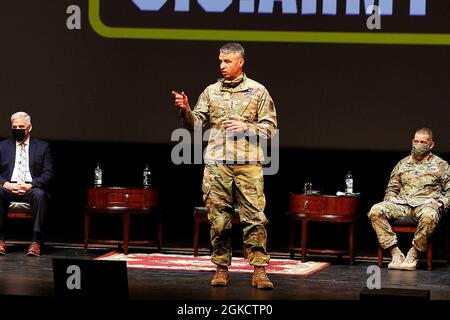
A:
[40,161]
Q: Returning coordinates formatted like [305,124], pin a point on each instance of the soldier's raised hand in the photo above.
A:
[181,100]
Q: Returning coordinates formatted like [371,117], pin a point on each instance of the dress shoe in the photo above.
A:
[2,248]
[221,277]
[260,279]
[34,250]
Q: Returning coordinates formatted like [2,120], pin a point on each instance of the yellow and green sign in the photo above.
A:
[418,12]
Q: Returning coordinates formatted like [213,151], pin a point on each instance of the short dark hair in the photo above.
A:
[426,131]
[233,47]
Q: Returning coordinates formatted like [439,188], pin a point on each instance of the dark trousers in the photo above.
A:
[37,198]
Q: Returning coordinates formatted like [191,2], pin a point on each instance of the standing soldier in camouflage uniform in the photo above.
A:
[419,188]
[239,110]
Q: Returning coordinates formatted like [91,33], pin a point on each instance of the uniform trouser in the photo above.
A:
[426,216]
[218,181]
[37,198]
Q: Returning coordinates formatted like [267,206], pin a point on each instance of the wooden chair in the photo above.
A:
[408,225]
[21,210]
[201,216]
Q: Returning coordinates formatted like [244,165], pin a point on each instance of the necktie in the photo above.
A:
[22,164]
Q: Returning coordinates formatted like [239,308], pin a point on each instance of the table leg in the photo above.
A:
[304,237]
[292,252]
[86,229]
[160,230]
[352,242]
[126,230]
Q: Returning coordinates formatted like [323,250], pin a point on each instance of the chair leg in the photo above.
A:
[429,255]
[446,240]
[196,227]
[380,256]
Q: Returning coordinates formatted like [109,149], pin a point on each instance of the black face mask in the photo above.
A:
[18,134]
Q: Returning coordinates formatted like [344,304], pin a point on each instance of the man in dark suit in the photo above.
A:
[26,169]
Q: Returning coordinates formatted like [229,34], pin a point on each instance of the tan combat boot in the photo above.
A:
[411,260]
[260,279]
[397,258]
[221,277]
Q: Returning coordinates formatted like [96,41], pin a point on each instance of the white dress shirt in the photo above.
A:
[28,177]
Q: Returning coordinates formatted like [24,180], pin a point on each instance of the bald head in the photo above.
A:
[425,132]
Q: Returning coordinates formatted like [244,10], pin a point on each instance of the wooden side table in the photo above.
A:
[125,202]
[306,208]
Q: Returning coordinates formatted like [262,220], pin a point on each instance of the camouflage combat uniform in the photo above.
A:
[412,184]
[235,159]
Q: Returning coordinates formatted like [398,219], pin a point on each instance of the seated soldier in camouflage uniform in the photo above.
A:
[419,187]
[239,111]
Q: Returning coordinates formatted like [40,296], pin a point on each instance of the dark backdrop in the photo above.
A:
[80,86]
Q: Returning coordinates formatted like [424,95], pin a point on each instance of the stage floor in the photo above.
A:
[33,277]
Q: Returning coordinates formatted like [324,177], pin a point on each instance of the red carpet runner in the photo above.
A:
[203,263]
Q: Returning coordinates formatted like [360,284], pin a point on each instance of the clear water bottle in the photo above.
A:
[98,175]
[147,175]
[349,183]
